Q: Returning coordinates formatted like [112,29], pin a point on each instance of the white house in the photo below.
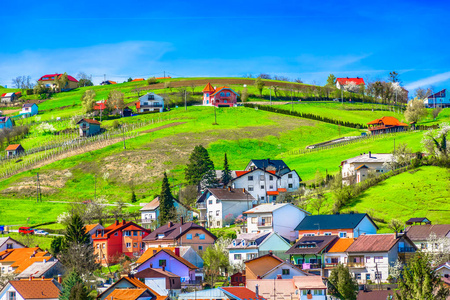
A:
[266,185]
[251,245]
[276,165]
[370,256]
[430,237]
[337,254]
[281,218]
[357,169]
[150,212]
[150,102]
[29,109]
[221,206]
[45,289]
[9,243]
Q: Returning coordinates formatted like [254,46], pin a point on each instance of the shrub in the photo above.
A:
[151,80]
[115,124]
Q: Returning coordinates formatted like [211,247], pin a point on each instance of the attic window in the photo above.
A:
[161,236]
[307,245]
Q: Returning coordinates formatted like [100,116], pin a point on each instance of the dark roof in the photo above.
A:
[417,220]
[422,232]
[374,295]
[28,104]
[154,272]
[376,243]
[175,231]
[90,121]
[231,194]
[312,244]
[341,221]
[278,164]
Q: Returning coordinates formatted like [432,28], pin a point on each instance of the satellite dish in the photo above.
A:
[245,85]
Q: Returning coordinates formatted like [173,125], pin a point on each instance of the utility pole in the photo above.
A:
[104,77]
[95,187]
[164,74]
[270,89]
[185,106]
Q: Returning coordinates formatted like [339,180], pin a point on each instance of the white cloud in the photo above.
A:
[424,82]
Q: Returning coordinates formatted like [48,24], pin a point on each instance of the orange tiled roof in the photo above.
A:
[19,254]
[137,283]
[126,294]
[240,173]
[36,289]
[12,147]
[112,82]
[89,227]
[387,121]
[150,252]
[208,88]
[341,245]
[138,79]
[23,265]
[220,88]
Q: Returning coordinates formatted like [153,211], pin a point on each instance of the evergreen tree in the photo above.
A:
[166,206]
[342,284]
[79,292]
[199,164]
[420,282]
[210,179]
[57,245]
[133,197]
[331,80]
[226,174]
[76,232]
[72,282]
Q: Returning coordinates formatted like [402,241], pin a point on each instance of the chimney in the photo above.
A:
[31,277]
[117,222]
[169,224]
[59,279]
[370,154]
[257,291]
[177,251]
[182,220]
[123,222]
[270,252]
[243,190]
[151,266]
[43,277]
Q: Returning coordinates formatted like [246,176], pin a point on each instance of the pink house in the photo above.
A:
[220,97]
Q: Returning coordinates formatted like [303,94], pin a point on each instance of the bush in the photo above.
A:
[115,124]
[151,80]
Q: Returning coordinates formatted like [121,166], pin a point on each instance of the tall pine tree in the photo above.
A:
[76,232]
[74,288]
[166,205]
[226,174]
[199,164]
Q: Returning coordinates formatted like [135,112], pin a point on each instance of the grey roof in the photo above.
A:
[38,269]
[313,244]
[374,158]
[231,194]
[258,238]
[341,221]
[28,104]
[423,232]
[175,231]
[277,164]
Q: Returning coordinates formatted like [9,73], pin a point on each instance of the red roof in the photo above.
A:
[167,77]
[13,147]
[51,77]
[283,190]
[138,79]
[241,292]
[118,226]
[92,121]
[272,193]
[387,121]
[208,88]
[347,80]
[240,173]
[221,88]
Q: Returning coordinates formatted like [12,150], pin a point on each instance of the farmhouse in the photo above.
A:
[6,122]
[150,102]
[220,97]
[221,205]
[342,225]
[280,218]
[439,99]
[108,82]
[14,150]
[150,212]
[386,125]
[340,82]
[357,169]
[10,97]
[89,127]
[50,81]
[29,109]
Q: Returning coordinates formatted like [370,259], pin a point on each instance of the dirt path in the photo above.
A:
[11,111]
[164,126]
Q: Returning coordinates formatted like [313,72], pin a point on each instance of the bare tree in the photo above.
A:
[115,100]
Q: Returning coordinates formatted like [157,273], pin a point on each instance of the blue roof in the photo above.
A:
[341,221]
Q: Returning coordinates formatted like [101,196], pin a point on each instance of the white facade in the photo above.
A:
[9,243]
[258,182]
[151,102]
[372,262]
[9,293]
[280,218]
[219,211]
[357,169]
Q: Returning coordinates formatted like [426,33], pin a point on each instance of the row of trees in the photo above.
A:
[8,135]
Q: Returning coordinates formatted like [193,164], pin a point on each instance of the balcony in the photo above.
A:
[201,205]
[355,265]
[331,265]
[147,221]
[264,224]
[406,249]
[309,266]
[151,105]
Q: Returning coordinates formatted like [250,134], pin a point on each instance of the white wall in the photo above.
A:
[15,245]
[5,292]
[246,254]
[158,285]
[286,219]
[292,179]
[349,169]
[257,187]
[364,227]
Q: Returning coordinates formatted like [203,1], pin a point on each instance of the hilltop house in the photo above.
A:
[9,243]
[10,97]
[370,256]
[14,150]
[49,81]
[29,109]
[425,237]
[357,169]
[308,252]
[220,97]
[150,212]
[6,122]
[120,238]
[222,293]
[221,206]
[386,125]
[252,245]
[177,234]
[342,82]
[280,218]
[31,289]
[130,288]
[89,127]
[108,82]
[167,260]
[439,99]
[150,102]
[297,287]
[343,225]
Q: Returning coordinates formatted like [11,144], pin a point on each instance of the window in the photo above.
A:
[143,245]
[250,188]
[161,236]
[254,220]
[318,292]
[135,245]
[262,197]
[368,276]
[289,175]
[270,177]
[423,246]
[266,221]
[116,233]
[207,94]
[151,97]
[261,177]
[327,233]
[202,236]
[308,234]
[9,246]
[189,236]
[217,213]
[104,245]
[251,255]
[11,295]
[378,275]
[162,262]
[358,276]
[378,259]
[218,223]
[222,94]
[285,271]
[367,259]
[250,178]
[228,94]
[127,233]
[262,187]
[290,185]
[210,201]
[270,187]
[237,257]
[342,234]
[98,246]
[135,233]
[128,245]
[200,248]
[217,201]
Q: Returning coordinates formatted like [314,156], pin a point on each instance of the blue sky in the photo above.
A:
[297,39]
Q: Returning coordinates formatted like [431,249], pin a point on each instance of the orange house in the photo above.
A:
[261,265]
[120,238]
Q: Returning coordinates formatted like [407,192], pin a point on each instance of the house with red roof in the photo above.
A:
[340,82]
[221,97]
[386,125]
[223,293]
[89,127]
[10,97]
[43,289]
[120,238]
[13,150]
[49,81]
